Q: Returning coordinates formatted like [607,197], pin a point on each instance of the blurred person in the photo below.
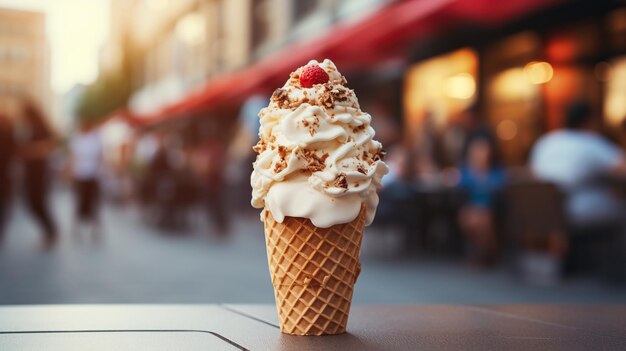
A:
[86,165]
[426,161]
[582,163]
[145,152]
[397,200]
[387,130]
[7,151]
[399,179]
[398,161]
[162,180]
[240,154]
[169,185]
[455,136]
[481,177]
[215,156]
[37,142]
[575,158]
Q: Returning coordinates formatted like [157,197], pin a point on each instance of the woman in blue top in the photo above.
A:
[481,177]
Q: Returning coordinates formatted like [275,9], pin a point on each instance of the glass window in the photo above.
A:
[437,94]
[512,95]
[614,102]
[440,87]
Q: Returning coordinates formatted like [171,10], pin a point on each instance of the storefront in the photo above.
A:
[522,77]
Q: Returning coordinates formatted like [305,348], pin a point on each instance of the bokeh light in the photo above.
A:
[191,29]
[506,130]
[460,86]
[538,72]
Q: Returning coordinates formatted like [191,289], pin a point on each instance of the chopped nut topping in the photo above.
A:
[314,167]
[380,155]
[332,95]
[358,128]
[361,169]
[260,146]
[294,79]
[281,97]
[282,162]
[279,166]
[326,100]
[314,126]
[333,91]
[314,163]
[282,152]
[341,181]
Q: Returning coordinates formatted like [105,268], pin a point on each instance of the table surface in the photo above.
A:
[255,327]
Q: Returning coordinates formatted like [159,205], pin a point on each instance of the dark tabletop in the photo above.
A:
[255,327]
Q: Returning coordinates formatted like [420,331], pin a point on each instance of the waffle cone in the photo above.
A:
[313,272]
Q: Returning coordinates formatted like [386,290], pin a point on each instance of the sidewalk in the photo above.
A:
[137,264]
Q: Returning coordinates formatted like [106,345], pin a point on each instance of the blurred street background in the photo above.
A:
[127,126]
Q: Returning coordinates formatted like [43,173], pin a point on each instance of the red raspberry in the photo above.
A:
[312,75]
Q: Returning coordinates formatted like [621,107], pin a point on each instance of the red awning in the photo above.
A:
[384,34]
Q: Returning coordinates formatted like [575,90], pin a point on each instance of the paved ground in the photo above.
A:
[136,264]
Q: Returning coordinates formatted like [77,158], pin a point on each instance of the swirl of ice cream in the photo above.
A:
[317,158]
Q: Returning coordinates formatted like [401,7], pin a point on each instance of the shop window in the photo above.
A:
[514,77]
[437,93]
[615,101]
[512,108]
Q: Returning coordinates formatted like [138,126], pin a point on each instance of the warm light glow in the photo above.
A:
[157,5]
[538,72]
[615,103]
[506,130]
[191,29]
[512,85]
[615,109]
[460,86]
[426,96]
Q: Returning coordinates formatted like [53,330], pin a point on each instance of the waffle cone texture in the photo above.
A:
[313,272]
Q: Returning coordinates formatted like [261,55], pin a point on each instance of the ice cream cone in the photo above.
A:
[316,176]
[313,271]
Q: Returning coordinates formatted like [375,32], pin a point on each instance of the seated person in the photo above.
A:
[398,188]
[574,158]
[482,178]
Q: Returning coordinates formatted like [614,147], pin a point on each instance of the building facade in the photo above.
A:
[24,58]
[179,45]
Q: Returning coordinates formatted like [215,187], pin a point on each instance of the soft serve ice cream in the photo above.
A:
[317,158]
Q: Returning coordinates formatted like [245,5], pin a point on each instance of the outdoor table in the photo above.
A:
[255,327]
[442,204]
